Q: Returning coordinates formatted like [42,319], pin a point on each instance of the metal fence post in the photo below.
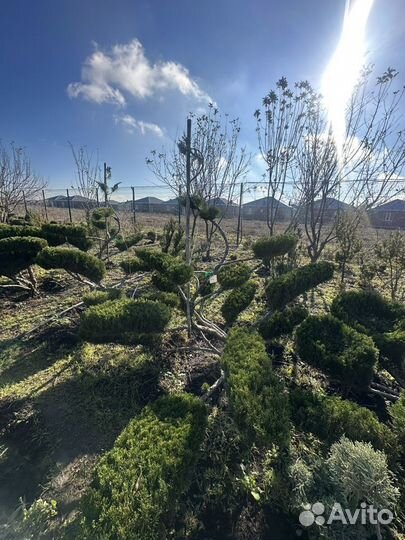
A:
[179,204]
[68,201]
[45,208]
[239,230]
[25,203]
[133,205]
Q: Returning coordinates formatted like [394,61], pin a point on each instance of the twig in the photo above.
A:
[214,387]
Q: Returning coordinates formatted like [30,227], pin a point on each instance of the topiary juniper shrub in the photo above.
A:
[95,298]
[233,275]
[282,290]
[60,233]
[18,253]
[282,322]
[330,417]
[137,484]
[269,248]
[238,300]
[124,320]
[338,350]
[72,260]
[374,315]
[258,398]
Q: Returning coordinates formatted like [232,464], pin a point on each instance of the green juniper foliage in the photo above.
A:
[172,269]
[238,300]
[259,402]
[124,243]
[282,322]
[19,252]
[72,233]
[8,231]
[233,275]
[137,484]
[330,417]
[73,260]
[94,298]
[338,350]
[367,311]
[116,320]
[282,290]
[271,247]
[54,233]
[374,315]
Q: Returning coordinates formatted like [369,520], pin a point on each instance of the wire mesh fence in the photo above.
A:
[245,208]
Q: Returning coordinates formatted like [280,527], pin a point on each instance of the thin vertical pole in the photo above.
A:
[188,238]
[188,182]
[239,231]
[105,184]
[45,208]
[25,203]
[69,207]
[97,199]
[133,205]
[179,204]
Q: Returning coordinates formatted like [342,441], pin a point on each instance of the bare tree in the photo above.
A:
[17,179]
[219,164]
[280,127]
[216,139]
[365,172]
[87,176]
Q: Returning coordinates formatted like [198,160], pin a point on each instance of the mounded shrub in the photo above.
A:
[94,298]
[19,252]
[238,300]
[259,402]
[274,246]
[72,260]
[330,417]
[374,315]
[171,299]
[121,320]
[282,322]
[137,484]
[367,311]
[337,349]
[59,233]
[173,269]
[54,233]
[233,275]
[9,231]
[124,243]
[161,282]
[99,217]
[282,290]
[151,236]
[132,265]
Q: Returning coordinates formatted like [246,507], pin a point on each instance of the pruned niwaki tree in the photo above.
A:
[280,127]
[219,163]
[87,176]
[364,171]
[17,180]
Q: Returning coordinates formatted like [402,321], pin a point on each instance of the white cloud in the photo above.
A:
[131,124]
[108,76]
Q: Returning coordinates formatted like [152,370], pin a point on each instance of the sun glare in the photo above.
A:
[342,72]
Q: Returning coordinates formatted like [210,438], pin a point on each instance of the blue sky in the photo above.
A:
[151,62]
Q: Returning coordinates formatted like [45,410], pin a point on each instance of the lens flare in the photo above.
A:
[343,70]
